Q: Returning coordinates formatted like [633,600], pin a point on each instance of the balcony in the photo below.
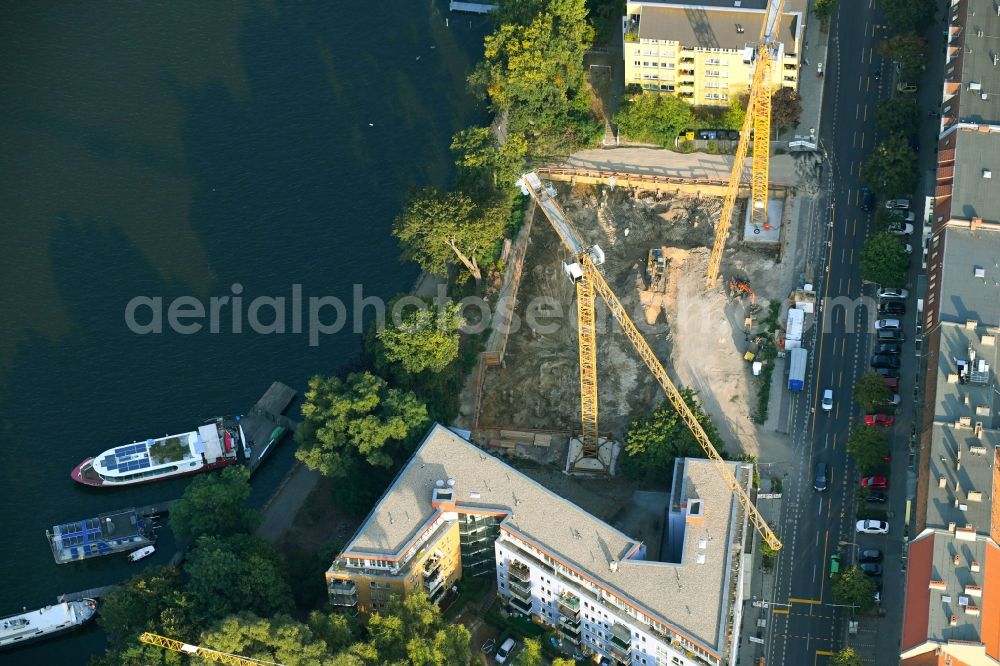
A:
[343,592]
[519,571]
[623,654]
[520,589]
[433,583]
[431,564]
[621,640]
[687,61]
[569,606]
[521,605]
[569,626]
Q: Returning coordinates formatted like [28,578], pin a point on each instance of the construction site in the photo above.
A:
[656,247]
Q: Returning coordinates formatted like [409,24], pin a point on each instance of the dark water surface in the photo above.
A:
[169,149]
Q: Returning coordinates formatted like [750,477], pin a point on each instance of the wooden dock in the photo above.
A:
[92,593]
[263,418]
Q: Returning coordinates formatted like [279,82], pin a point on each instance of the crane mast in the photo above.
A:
[585,271]
[758,122]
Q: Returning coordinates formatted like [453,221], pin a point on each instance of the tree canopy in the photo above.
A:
[907,15]
[898,114]
[439,229]
[824,8]
[786,108]
[215,504]
[869,447]
[531,654]
[278,639]
[533,66]
[891,169]
[360,418]
[846,657]
[871,390]
[239,573]
[485,163]
[884,260]
[138,604]
[853,588]
[652,443]
[425,338]
[908,49]
[654,118]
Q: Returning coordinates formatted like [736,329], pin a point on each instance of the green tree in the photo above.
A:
[869,447]
[278,639]
[891,169]
[884,260]
[425,338]
[871,390]
[897,114]
[736,113]
[786,108]
[533,65]
[357,418]
[824,8]
[335,629]
[531,655]
[908,49]
[652,443]
[482,160]
[654,118]
[240,573]
[215,504]
[137,605]
[853,588]
[907,15]
[437,228]
[846,657]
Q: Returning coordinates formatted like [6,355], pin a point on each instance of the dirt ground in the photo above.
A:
[702,335]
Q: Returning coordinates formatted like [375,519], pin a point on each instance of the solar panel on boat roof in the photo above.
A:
[144,463]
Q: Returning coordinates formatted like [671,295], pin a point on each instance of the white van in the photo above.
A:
[503,654]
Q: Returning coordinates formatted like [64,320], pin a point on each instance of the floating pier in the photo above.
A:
[92,593]
[262,423]
[471,7]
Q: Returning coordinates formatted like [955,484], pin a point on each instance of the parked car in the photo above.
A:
[867,199]
[827,403]
[892,383]
[820,480]
[890,348]
[908,248]
[880,420]
[503,654]
[891,324]
[875,483]
[904,215]
[906,87]
[888,372]
[870,568]
[834,564]
[872,527]
[892,292]
[896,308]
[870,555]
[890,335]
[876,498]
[885,361]
[901,229]
[893,204]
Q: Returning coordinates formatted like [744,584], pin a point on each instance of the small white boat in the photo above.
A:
[137,555]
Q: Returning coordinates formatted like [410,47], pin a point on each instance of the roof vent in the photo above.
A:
[974,567]
[738,3]
[987,173]
[451,483]
[975,86]
[739,29]
[703,543]
[953,621]
[613,564]
[439,483]
[980,272]
[956,560]
[700,559]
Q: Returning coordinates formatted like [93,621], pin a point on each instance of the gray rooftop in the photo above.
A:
[689,596]
[978,64]
[974,195]
[956,578]
[973,473]
[963,295]
[716,26]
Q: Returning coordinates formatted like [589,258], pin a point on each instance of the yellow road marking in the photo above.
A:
[822,582]
[866,112]
[798,600]
[824,653]
[780,611]
[862,140]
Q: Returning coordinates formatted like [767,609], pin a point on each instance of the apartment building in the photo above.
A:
[952,603]
[455,510]
[703,50]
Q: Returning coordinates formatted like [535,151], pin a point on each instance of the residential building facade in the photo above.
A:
[455,510]
[703,51]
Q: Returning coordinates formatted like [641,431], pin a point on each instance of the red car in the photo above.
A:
[892,383]
[883,420]
[875,483]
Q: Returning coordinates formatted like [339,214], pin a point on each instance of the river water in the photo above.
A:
[197,150]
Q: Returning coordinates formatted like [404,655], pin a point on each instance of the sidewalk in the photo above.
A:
[756,617]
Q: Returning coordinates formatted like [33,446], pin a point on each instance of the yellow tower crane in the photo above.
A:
[204,653]
[589,282]
[757,120]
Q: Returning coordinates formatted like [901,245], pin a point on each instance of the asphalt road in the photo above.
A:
[806,626]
